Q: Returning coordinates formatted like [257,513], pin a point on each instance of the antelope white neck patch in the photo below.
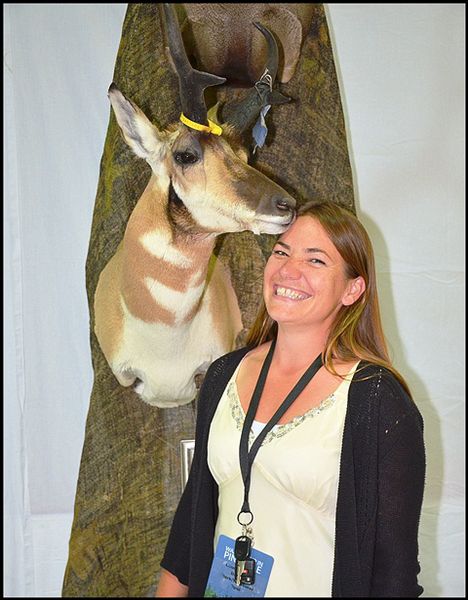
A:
[179,303]
[158,244]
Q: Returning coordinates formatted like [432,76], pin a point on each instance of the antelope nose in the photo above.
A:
[277,205]
[284,204]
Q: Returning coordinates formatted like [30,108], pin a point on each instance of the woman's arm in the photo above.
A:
[170,587]
[401,485]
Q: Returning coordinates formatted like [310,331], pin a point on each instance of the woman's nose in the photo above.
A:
[290,269]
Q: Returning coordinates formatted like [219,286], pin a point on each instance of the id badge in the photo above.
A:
[221,581]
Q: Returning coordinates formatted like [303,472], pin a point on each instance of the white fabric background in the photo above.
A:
[401,71]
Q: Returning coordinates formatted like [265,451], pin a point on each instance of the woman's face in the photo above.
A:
[304,280]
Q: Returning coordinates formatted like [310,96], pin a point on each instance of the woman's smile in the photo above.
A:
[289,293]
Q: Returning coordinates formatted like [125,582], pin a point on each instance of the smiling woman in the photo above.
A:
[335,241]
[307,285]
[311,422]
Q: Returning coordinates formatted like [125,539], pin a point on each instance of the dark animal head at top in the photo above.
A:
[200,166]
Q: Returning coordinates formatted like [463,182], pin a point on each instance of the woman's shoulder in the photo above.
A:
[215,380]
[225,365]
[233,357]
[250,354]
[378,379]
[377,386]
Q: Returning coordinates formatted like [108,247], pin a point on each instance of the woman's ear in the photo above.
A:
[355,289]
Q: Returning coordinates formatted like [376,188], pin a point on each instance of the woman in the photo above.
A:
[333,490]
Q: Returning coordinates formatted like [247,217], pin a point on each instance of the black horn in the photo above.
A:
[192,83]
[243,114]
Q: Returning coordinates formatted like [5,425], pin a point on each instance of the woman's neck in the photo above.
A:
[296,349]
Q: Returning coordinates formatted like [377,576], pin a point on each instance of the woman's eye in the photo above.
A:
[185,158]
[279,253]
[316,261]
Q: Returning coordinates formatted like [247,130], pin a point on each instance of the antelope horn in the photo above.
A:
[192,83]
[244,113]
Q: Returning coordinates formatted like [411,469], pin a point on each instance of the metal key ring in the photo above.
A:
[247,512]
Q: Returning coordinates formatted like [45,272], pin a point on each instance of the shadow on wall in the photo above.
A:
[432,502]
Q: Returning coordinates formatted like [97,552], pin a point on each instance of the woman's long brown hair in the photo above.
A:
[357,332]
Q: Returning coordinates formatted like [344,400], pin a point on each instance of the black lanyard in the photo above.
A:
[246,458]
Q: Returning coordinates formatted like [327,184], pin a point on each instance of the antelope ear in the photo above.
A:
[140,134]
[213,114]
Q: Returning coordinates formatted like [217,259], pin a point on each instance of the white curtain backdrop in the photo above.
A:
[401,71]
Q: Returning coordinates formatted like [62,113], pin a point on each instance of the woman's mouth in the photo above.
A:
[291,294]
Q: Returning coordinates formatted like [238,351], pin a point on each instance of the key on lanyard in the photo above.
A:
[245,565]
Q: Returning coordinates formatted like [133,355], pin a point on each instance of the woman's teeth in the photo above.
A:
[292,294]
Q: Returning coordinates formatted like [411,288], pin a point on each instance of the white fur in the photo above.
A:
[157,244]
[176,354]
[179,303]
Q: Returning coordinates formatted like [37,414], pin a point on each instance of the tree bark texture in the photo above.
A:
[129,480]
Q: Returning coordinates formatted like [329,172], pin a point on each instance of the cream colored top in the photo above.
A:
[293,489]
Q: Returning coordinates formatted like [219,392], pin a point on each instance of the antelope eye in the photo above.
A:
[185,158]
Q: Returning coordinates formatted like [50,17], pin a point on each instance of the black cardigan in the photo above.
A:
[380,490]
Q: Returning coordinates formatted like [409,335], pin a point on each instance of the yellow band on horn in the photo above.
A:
[210,128]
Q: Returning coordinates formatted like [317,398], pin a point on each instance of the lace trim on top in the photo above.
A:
[278,431]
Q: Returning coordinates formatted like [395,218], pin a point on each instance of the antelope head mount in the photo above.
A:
[164,306]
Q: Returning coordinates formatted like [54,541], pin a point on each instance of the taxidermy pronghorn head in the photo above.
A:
[164,307]
[209,186]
